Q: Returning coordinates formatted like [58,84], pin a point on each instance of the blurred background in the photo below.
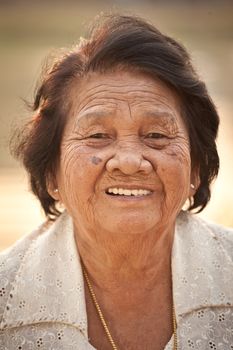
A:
[31,30]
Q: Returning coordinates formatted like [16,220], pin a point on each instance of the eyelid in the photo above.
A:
[161,135]
[105,135]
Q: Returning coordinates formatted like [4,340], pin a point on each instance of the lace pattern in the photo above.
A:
[42,301]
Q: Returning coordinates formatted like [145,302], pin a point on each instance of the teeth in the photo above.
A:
[127,192]
[135,192]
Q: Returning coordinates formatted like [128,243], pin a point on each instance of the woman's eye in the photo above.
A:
[98,135]
[155,135]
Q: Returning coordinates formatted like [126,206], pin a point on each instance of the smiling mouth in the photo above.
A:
[114,191]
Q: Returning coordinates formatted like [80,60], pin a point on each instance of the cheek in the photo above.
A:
[78,173]
[174,171]
[77,160]
[96,160]
[179,156]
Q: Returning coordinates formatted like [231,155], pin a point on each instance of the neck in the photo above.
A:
[118,263]
[131,280]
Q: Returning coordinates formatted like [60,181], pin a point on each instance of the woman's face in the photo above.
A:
[125,156]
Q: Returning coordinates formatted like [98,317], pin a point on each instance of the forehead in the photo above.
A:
[112,92]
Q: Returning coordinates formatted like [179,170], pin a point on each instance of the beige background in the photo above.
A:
[30,31]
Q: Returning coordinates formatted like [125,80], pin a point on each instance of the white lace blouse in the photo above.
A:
[42,303]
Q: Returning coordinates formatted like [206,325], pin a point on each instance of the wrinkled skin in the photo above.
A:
[125,129]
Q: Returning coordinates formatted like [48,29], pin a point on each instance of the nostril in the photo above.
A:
[112,164]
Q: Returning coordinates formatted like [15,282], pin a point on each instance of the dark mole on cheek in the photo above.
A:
[96,160]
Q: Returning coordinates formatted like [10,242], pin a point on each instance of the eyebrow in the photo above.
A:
[90,116]
[160,115]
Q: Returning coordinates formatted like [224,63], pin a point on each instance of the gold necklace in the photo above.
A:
[100,314]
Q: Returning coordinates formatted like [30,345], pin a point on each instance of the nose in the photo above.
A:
[129,162]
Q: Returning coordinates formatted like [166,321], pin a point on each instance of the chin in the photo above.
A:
[132,225]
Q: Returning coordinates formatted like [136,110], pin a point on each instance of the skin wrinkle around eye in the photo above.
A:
[155,119]
[166,122]
[180,152]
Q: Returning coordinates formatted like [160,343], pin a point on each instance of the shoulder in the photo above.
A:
[10,263]
[223,235]
[221,232]
[202,264]
[205,231]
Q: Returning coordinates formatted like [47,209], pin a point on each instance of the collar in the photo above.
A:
[201,267]
[49,285]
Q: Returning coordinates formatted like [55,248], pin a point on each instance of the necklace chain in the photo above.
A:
[101,317]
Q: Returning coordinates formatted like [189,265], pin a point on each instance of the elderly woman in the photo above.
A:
[123,135]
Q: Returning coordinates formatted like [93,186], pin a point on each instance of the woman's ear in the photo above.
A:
[194,181]
[194,184]
[52,188]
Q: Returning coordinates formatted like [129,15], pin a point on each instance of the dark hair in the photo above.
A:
[132,43]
